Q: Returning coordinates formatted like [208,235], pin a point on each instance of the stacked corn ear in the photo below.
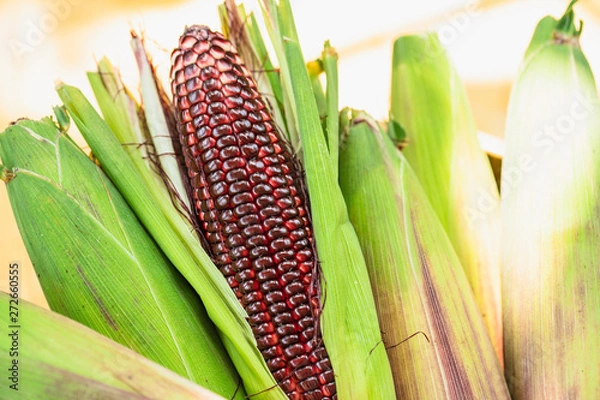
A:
[99,368]
[432,331]
[96,263]
[430,106]
[252,208]
[551,221]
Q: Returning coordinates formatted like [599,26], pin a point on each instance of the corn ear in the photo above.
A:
[96,263]
[59,359]
[551,220]
[435,339]
[251,208]
[430,104]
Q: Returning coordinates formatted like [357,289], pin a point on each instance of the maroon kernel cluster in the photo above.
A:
[251,208]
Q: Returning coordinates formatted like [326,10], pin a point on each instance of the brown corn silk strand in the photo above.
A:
[253,212]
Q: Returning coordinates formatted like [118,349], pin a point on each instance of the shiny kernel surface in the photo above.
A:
[251,208]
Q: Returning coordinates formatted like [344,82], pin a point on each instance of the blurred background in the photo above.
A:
[42,41]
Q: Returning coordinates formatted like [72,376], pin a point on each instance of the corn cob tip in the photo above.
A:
[197,35]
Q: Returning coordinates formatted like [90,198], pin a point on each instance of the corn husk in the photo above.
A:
[349,324]
[166,150]
[434,336]
[173,232]
[59,359]
[96,263]
[551,217]
[429,103]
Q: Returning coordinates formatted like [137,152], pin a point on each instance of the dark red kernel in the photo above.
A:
[251,208]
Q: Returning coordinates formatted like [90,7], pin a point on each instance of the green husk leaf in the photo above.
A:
[175,236]
[315,69]
[97,264]
[396,133]
[121,111]
[349,320]
[551,222]
[275,31]
[429,102]
[544,32]
[327,100]
[122,114]
[269,69]
[332,120]
[62,118]
[59,359]
[435,339]
[158,127]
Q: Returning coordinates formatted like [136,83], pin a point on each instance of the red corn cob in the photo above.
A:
[252,209]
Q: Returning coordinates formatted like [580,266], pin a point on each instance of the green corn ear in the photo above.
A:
[429,102]
[97,264]
[435,339]
[551,221]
